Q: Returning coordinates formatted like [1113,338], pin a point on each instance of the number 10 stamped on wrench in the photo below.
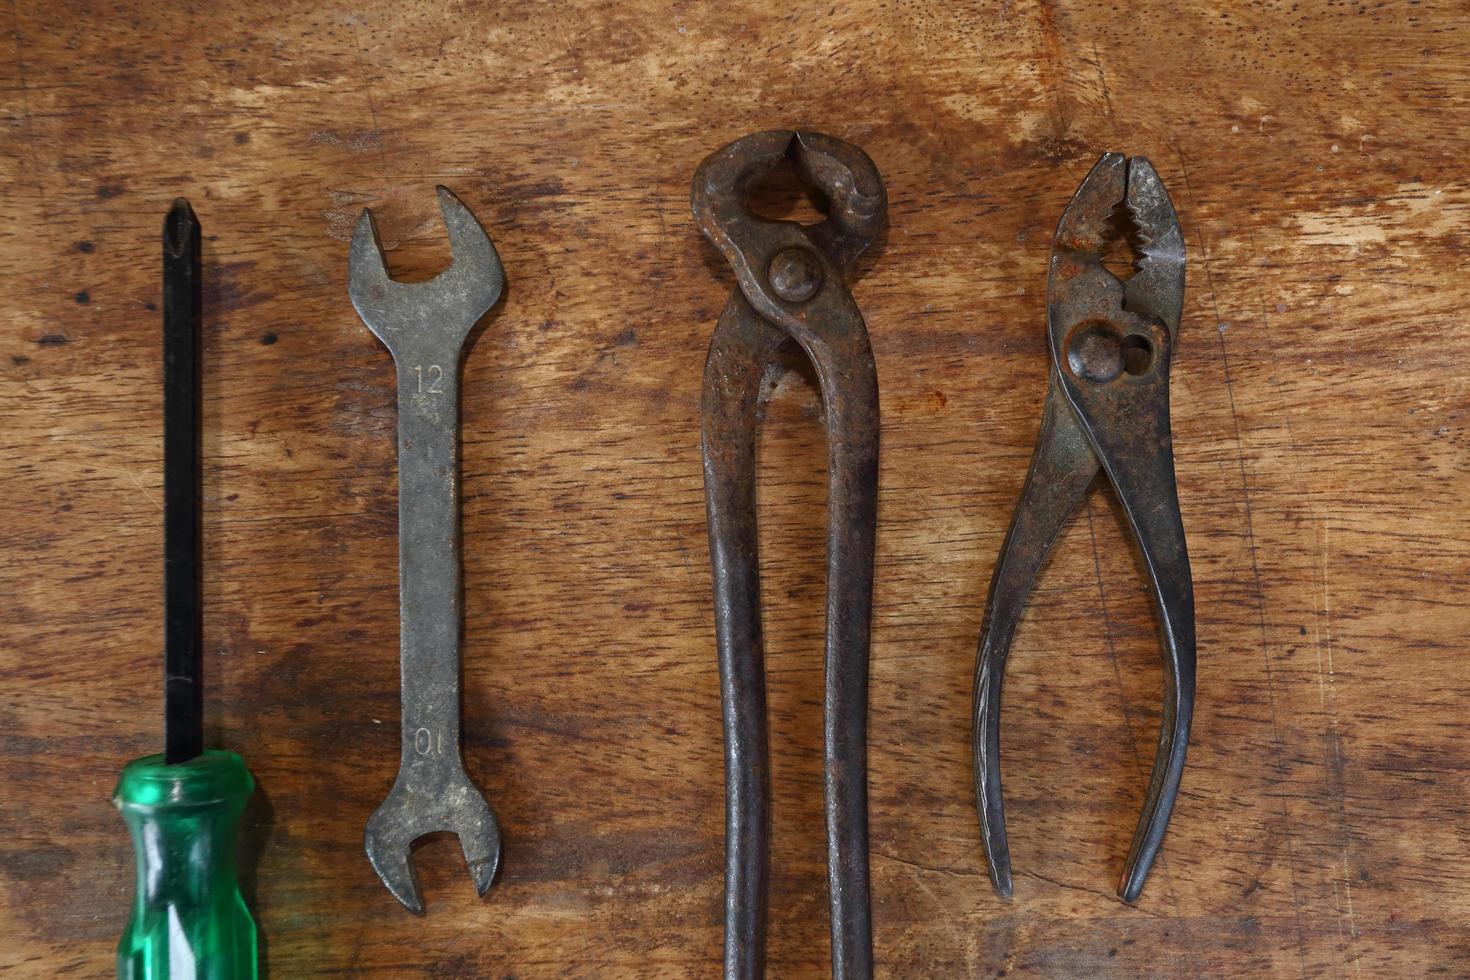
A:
[424,325]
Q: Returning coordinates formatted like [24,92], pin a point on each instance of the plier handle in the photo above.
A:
[1107,407]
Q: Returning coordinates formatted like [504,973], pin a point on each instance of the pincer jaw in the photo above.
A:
[843,173]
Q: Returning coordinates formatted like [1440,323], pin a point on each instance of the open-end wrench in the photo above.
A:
[424,325]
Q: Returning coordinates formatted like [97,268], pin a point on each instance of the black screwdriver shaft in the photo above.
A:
[183,538]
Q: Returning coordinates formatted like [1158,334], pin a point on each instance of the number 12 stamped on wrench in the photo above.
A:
[424,325]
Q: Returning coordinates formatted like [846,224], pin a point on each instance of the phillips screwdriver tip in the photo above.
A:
[180,228]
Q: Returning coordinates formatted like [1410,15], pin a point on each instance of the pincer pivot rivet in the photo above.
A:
[795,275]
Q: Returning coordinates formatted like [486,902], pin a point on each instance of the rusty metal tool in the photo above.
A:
[1107,407]
[790,289]
[425,325]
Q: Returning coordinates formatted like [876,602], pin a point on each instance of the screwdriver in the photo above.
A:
[182,808]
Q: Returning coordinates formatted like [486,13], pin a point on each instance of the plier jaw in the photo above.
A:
[1119,196]
[1107,407]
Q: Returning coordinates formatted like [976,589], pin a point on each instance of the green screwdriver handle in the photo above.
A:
[189,921]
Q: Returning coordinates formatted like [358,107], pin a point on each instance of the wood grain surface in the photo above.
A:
[1316,153]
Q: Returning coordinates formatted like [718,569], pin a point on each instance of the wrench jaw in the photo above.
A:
[409,812]
[437,313]
[476,275]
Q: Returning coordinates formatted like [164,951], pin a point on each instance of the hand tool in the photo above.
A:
[1107,407]
[424,325]
[183,807]
[790,289]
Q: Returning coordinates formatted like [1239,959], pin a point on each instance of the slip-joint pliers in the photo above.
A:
[1107,407]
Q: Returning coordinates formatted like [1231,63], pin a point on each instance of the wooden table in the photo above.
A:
[1316,154]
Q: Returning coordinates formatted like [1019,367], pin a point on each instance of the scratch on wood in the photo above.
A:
[1138,762]
[30,141]
[1102,80]
[1336,762]
[1258,592]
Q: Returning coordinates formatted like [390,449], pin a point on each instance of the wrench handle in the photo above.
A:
[430,595]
